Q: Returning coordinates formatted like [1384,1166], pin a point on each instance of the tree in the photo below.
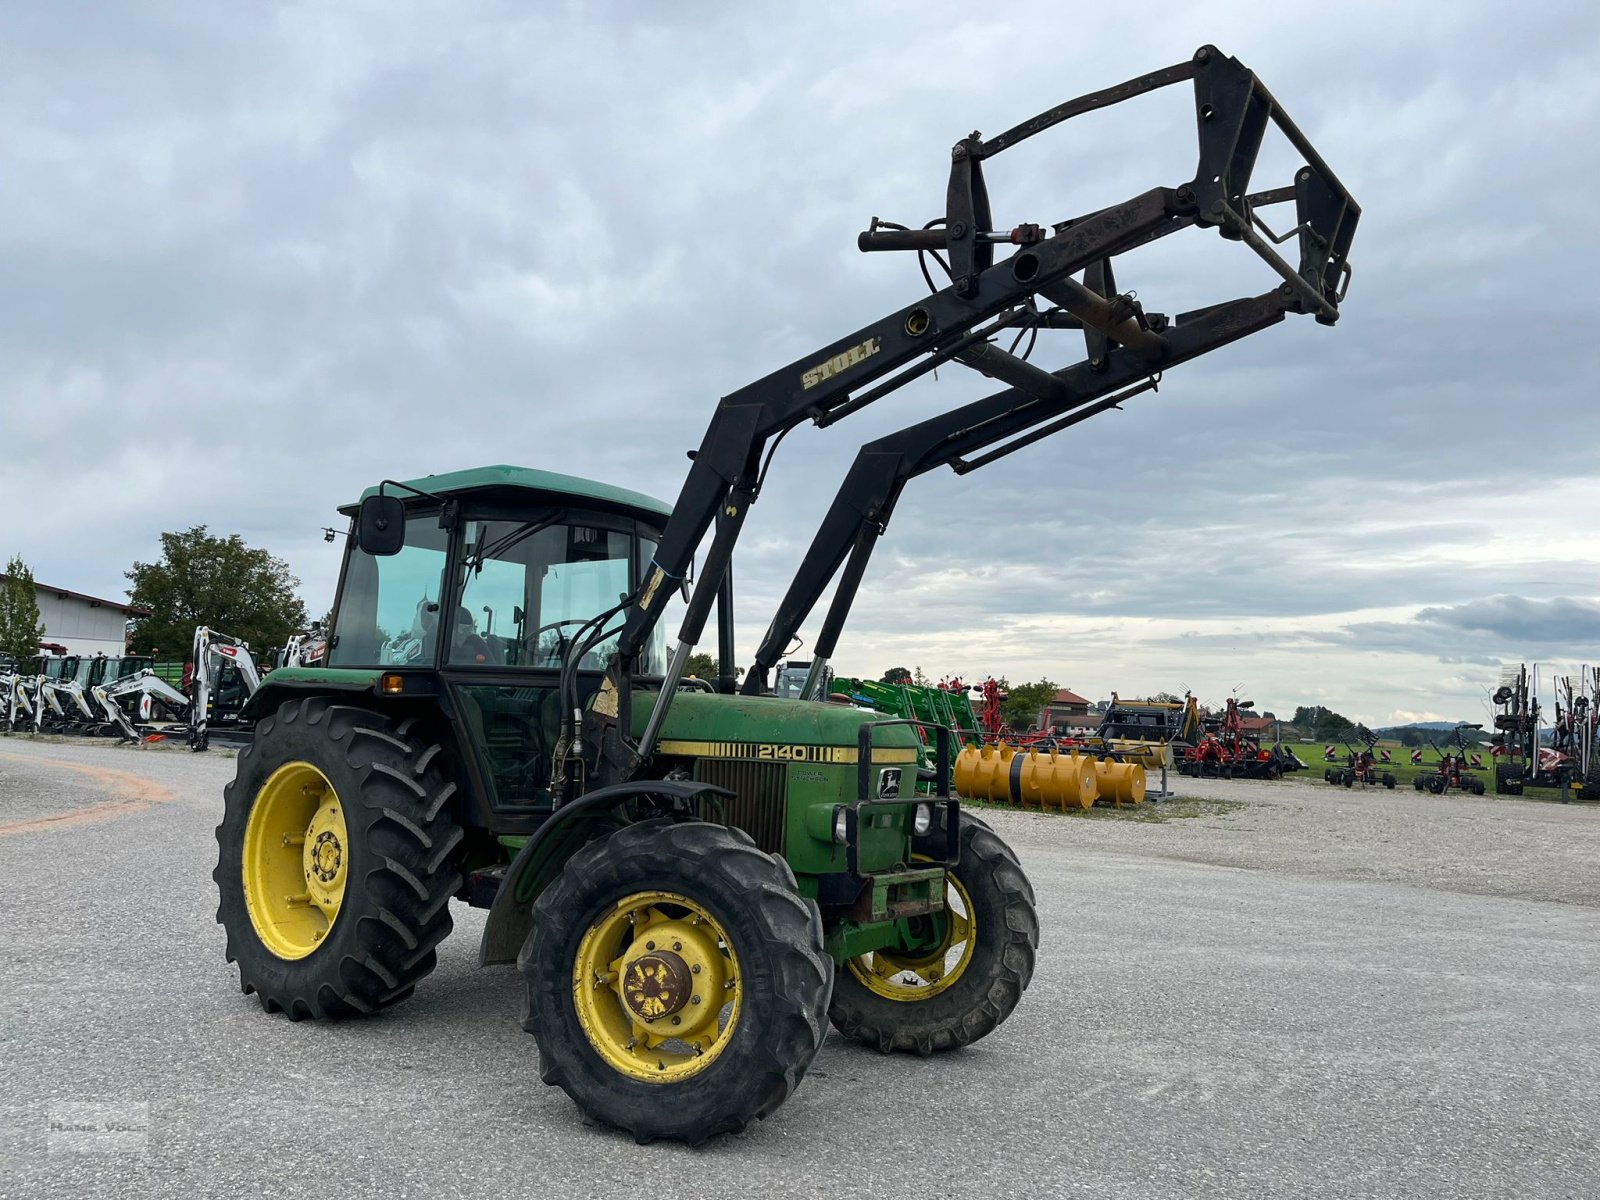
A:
[1411,737]
[220,582]
[1024,702]
[896,675]
[1324,724]
[918,678]
[705,666]
[20,631]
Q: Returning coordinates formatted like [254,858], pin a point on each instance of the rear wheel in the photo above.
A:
[335,860]
[676,981]
[969,972]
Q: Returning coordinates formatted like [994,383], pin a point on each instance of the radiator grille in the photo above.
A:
[759,790]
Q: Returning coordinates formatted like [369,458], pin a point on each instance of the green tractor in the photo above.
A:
[696,877]
[684,941]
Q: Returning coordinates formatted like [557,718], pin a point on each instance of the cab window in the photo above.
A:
[389,606]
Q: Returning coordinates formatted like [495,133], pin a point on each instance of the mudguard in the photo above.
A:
[544,854]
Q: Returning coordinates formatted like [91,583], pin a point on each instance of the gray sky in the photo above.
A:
[257,257]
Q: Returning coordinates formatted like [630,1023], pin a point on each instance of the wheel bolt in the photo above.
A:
[649,945]
[695,968]
[677,945]
[677,1020]
[694,999]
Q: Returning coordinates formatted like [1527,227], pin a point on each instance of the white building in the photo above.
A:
[84,624]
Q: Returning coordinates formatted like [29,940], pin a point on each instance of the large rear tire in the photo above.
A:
[335,862]
[970,976]
[676,981]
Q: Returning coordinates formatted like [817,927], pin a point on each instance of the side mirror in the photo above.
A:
[381,525]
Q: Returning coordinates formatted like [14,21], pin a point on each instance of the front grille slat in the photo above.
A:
[760,792]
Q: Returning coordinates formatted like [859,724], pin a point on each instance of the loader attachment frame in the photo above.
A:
[955,323]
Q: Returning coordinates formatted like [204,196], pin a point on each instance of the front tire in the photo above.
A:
[335,862]
[676,981]
[922,1003]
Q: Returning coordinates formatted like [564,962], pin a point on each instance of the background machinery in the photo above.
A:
[1521,758]
[1452,770]
[694,876]
[223,678]
[1361,764]
[1226,751]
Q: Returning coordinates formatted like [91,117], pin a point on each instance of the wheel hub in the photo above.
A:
[296,860]
[656,985]
[327,856]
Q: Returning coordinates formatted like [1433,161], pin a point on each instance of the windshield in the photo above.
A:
[528,588]
[523,591]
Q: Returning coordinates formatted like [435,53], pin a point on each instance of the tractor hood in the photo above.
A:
[701,723]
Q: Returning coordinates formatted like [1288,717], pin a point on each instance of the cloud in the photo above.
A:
[1560,620]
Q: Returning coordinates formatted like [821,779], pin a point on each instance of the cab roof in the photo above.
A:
[549,484]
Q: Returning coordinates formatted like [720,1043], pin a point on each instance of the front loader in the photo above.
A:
[695,878]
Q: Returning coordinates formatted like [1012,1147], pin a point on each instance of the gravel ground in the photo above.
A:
[1318,993]
[1488,845]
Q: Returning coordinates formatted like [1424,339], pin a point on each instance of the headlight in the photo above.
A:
[841,832]
[922,819]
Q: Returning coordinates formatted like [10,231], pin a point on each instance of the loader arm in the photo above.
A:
[955,323]
[860,512]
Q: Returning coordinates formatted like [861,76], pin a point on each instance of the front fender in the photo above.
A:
[544,854]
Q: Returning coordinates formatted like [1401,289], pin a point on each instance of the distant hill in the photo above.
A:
[1431,726]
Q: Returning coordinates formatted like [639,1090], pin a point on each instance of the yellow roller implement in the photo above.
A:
[1120,782]
[984,773]
[1152,756]
[1049,780]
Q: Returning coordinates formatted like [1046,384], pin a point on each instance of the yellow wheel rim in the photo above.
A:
[657,987]
[296,860]
[910,977]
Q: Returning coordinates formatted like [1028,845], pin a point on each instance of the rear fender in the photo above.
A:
[291,683]
[573,825]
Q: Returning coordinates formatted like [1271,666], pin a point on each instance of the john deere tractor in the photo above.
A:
[696,877]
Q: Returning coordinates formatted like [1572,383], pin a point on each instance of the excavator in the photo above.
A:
[694,877]
[223,680]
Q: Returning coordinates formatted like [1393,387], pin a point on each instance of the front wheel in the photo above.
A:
[676,981]
[968,973]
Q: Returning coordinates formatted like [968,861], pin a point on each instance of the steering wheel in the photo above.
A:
[532,640]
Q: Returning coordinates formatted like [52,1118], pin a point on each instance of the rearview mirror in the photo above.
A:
[381,525]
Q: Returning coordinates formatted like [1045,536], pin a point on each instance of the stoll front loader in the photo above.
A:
[695,879]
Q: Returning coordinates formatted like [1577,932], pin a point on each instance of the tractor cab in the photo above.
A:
[496,567]
[493,574]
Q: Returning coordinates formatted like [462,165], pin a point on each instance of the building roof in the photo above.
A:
[528,479]
[1065,696]
[1256,724]
[132,610]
